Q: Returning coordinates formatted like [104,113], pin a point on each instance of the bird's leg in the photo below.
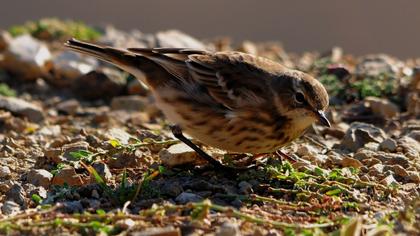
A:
[177,132]
[281,154]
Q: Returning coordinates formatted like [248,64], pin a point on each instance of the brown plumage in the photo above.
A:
[230,100]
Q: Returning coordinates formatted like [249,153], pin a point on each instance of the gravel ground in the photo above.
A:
[85,151]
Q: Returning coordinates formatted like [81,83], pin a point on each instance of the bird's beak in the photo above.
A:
[323,119]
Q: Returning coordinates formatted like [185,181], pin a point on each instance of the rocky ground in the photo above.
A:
[85,151]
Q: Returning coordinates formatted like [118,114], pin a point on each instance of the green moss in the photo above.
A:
[53,29]
[5,90]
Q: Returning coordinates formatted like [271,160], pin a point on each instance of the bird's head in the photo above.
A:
[301,98]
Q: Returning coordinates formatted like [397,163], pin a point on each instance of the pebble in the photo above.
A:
[376,169]
[73,207]
[415,134]
[21,107]
[389,145]
[186,197]
[10,208]
[382,107]
[67,175]
[410,147]
[121,135]
[166,231]
[228,229]
[68,107]
[397,169]
[413,177]
[351,162]
[130,103]
[17,194]
[171,188]
[245,187]
[103,171]
[5,172]
[40,177]
[49,130]
[375,65]
[306,150]
[178,154]
[388,180]
[361,133]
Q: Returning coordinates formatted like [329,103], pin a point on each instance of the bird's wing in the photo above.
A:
[232,79]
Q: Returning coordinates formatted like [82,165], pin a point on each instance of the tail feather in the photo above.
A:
[134,63]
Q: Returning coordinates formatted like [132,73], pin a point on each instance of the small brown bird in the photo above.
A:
[229,100]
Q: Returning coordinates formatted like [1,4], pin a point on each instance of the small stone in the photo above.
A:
[388,145]
[73,207]
[376,169]
[27,57]
[351,162]
[415,134]
[17,194]
[382,107]
[67,175]
[178,154]
[103,171]
[370,161]
[306,150]
[10,208]
[74,147]
[413,177]
[130,103]
[40,177]
[167,231]
[99,84]
[389,180]
[5,172]
[411,148]
[245,187]
[23,108]
[185,197]
[397,169]
[172,189]
[119,134]
[68,107]
[361,133]
[50,130]
[228,229]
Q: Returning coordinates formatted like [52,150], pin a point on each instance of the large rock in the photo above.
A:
[23,108]
[27,57]
[360,134]
[413,94]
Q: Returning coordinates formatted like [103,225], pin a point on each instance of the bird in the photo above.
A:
[237,102]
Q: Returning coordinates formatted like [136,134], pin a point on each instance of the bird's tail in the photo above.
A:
[120,58]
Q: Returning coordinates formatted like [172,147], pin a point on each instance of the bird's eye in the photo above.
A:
[299,97]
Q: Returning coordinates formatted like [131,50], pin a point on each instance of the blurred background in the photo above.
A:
[359,27]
